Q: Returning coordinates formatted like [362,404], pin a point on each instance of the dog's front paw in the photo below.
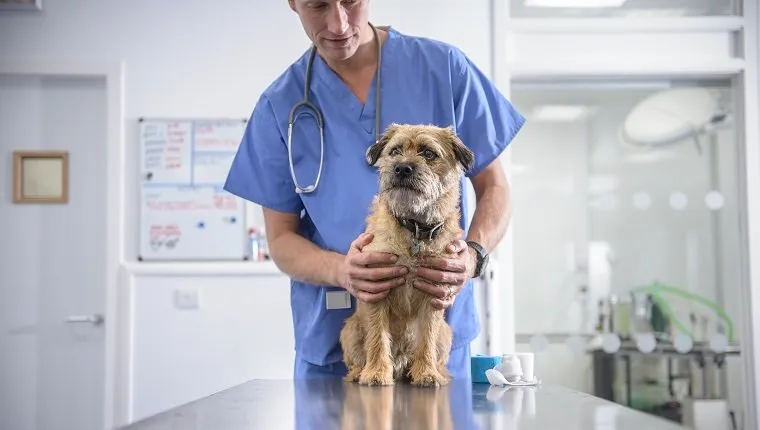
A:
[427,377]
[382,375]
[353,373]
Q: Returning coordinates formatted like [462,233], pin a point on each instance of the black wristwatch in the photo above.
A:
[482,263]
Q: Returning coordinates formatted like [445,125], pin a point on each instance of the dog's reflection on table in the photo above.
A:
[400,406]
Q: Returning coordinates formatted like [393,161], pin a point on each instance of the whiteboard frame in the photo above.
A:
[117,389]
[246,255]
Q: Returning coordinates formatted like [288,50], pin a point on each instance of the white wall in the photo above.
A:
[214,63]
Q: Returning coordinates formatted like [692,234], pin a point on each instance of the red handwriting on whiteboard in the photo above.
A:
[216,136]
[156,231]
[223,202]
[172,163]
[179,205]
[204,128]
[220,143]
[164,235]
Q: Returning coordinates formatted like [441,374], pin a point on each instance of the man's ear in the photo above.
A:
[462,153]
[374,151]
[292,5]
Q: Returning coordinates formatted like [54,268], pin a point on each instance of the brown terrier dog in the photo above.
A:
[415,215]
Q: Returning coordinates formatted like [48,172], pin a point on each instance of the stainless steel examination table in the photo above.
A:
[334,404]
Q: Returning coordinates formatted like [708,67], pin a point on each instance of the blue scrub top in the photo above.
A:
[423,81]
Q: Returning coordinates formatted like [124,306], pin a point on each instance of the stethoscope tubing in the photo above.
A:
[317,113]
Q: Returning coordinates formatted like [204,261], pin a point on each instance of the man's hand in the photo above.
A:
[369,276]
[451,272]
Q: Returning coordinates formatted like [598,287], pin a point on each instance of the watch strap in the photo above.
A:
[481,256]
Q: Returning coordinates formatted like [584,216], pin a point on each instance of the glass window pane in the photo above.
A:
[619,8]
[626,222]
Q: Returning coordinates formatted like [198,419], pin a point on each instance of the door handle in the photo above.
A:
[95,319]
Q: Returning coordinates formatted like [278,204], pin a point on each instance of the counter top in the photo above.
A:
[334,404]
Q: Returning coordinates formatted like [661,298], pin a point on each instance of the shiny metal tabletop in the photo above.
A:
[334,404]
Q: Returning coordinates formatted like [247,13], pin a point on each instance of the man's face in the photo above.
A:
[334,26]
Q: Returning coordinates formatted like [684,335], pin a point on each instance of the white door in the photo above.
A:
[52,259]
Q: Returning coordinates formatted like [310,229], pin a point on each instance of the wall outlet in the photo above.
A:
[187,299]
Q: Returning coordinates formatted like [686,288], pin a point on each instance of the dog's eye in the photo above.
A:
[428,154]
[395,151]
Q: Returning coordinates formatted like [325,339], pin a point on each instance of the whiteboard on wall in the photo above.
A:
[184,212]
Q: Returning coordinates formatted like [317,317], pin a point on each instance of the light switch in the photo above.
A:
[187,298]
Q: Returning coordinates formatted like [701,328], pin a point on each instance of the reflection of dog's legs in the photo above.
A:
[443,348]
[353,351]
[377,347]
[378,408]
[424,367]
[351,418]
[443,406]
[424,403]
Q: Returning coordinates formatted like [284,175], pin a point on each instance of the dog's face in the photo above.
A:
[418,164]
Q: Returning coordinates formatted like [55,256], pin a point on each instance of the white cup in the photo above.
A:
[526,363]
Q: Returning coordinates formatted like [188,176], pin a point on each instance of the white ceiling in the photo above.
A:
[598,92]
[628,8]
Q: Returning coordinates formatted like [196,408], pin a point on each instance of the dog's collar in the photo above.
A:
[419,230]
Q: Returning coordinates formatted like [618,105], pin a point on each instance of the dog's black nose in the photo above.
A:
[403,170]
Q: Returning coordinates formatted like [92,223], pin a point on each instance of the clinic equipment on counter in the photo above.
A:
[479,364]
[318,115]
[258,244]
[656,291]
[626,315]
[700,381]
[653,310]
[505,370]
[646,310]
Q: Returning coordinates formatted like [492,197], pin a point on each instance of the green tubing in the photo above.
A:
[665,306]
[656,291]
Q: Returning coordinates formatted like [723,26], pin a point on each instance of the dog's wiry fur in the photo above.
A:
[403,336]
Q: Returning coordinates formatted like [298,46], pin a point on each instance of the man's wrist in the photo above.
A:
[335,260]
[473,262]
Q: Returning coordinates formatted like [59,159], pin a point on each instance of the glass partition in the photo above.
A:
[626,237]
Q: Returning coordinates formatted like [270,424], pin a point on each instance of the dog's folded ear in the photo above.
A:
[374,151]
[462,153]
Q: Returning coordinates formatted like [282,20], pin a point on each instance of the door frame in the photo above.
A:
[113,73]
[740,61]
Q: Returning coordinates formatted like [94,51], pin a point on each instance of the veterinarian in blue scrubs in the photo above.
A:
[316,236]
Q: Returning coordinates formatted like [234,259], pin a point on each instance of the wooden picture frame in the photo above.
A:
[40,177]
[34,5]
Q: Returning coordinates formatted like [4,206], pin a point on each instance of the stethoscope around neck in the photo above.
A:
[317,114]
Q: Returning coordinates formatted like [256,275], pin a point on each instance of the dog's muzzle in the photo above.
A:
[403,170]
[404,176]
